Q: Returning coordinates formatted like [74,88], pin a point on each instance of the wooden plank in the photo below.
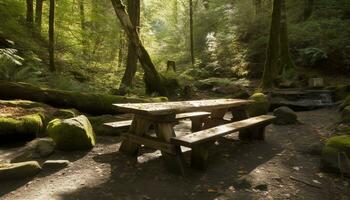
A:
[202,136]
[151,142]
[166,108]
[191,115]
[127,123]
[139,127]
[119,124]
[175,163]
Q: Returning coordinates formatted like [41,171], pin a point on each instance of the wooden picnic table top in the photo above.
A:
[168,108]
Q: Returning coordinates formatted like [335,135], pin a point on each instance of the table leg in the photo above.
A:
[240,113]
[199,155]
[139,127]
[197,123]
[175,163]
[216,118]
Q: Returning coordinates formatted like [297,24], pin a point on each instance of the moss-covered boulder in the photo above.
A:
[334,152]
[65,113]
[22,128]
[343,129]
[260,106]
[19,170]
[341,92]
[284,116]
[72,134]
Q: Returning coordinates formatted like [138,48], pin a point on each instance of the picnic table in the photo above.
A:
[162,117]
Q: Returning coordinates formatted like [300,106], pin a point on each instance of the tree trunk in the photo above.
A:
[121,49]
[83,26]
[30,11]
[287,67]
[152,78]
[273,51]
[85,102]
[131,62]
[308,8]
[191,33]
[38,14]
[258,7]
[52,35]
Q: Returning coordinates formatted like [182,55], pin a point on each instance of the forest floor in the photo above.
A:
[280,165]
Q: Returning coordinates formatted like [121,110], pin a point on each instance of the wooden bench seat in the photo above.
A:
[252,128]
[197,119]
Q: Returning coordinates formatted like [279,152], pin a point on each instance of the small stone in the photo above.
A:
[55,164]
[284,116]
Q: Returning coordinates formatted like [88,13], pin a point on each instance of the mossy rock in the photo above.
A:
[19,170]
[342,92]
[72,134]
[25,127]
[345,117]
[22,103]
[65,113]
[284,116]
[334,147]
[260,106]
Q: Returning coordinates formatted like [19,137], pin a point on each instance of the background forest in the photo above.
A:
[230,38]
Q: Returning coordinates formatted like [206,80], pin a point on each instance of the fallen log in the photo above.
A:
[95,104]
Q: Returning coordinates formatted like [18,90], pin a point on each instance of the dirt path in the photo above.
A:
[280,164]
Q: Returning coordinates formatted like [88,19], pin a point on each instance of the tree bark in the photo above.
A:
[85,102]
[271,67]
[30,11]
[131,62]
[38,14]
[152,78]
[83,26]
[52,35]
[308,8]
[191,33]
[258,6]
[287,67]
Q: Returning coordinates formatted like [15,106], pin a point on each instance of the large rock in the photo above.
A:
[343,129]
[72,134]
[260,106]
[345,117]
[66,113]
[36,149]
[26,127]
[336,154]
[284,116]
[19,170]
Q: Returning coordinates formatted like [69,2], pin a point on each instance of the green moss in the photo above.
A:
[333,147]
[72,134]
[65,113]
[260,106]
[342,92]
[22,103]
[29,125]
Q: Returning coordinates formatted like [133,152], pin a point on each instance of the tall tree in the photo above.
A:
[52,35]
[272,55]
[278,64]
[38,14]
[83,26]
[308,8]
[131,62]
[152,78]
[30,11]
[287,67]
[191,32]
